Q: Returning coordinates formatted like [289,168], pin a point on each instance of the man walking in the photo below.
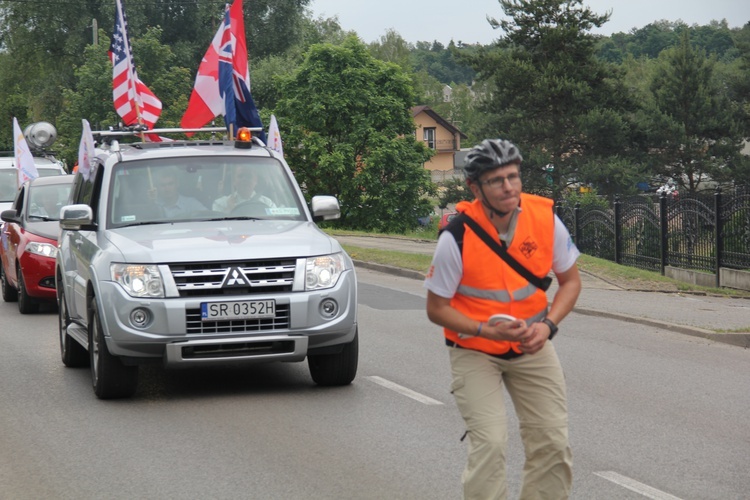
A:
[472,279]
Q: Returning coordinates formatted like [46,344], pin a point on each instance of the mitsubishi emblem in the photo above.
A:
[235,278]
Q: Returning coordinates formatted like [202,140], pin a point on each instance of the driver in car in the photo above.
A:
[244,181]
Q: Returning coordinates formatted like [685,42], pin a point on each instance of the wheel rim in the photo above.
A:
[94,349]
[62,320]
[21,291]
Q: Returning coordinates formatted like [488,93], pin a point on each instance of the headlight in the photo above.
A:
[324,271]
[43,249]
[138,280]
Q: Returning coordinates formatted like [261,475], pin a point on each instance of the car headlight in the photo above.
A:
[43,249]
[323,271]
[139,280]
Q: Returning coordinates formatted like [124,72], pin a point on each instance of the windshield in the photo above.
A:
[45,202]
[9,180]
[8,184]
[48,171]
[201,188]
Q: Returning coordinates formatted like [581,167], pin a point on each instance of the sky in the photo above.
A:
[465,21]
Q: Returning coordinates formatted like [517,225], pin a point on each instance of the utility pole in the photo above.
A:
[95,29]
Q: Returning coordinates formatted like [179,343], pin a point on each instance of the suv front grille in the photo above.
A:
[234,278]
[196,326]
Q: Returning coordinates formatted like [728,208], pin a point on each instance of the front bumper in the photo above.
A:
[38,276]
[174,334]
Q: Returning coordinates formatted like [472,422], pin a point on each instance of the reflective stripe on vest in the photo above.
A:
[498,295]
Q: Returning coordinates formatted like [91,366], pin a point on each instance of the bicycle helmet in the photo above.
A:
[489,155]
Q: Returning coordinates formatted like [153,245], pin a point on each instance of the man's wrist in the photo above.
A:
[552,327]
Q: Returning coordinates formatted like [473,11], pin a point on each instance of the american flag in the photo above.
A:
[134,102]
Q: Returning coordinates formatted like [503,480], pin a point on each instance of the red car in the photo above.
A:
[29,241]
[445,219]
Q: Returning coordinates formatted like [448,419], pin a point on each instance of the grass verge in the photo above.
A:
[629,278]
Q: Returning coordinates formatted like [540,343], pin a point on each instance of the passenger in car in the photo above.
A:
[169,198]
[244,182]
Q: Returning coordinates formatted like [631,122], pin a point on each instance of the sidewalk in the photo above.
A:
[697,315]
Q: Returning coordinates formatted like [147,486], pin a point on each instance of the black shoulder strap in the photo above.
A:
[456,228]
[542,283]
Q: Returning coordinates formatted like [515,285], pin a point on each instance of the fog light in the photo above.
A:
[329,308]
[139,318]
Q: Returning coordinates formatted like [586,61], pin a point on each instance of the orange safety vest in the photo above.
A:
[490,286]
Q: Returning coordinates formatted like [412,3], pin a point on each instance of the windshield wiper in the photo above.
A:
[240,217]
[145,223]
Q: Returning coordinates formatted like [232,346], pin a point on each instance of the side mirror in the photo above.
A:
[74,217]
[10,215]
[325,208]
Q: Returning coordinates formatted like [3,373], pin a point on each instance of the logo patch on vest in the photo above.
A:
[528,247]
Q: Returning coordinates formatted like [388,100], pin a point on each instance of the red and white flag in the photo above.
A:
[134,101]
[22,155]
[206,100]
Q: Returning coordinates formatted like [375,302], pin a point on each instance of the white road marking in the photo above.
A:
[633,485]
[404,391]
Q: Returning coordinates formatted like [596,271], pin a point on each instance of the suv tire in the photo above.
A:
[73,354]
[10,294]
[110,378]
[26,304]
[335,369]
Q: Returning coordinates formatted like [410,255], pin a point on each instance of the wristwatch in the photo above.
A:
[552,327]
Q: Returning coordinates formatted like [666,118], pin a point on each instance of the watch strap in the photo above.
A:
[552,327]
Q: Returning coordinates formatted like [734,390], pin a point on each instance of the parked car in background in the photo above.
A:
[445,219]
[29,241]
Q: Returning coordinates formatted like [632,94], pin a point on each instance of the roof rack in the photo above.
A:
[109,137]
[136,130]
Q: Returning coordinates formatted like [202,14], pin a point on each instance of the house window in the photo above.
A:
[429,137]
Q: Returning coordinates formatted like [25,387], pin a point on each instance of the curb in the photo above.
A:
[384,268]
[736,339]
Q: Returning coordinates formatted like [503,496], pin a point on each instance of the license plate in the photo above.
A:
[241,309]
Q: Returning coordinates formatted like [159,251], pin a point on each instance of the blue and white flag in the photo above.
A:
[234,76]
[23,157]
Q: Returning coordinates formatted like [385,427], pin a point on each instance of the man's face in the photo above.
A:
[245,181]
[168,189]
[501,187]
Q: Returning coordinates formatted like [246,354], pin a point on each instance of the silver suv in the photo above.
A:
[195,253]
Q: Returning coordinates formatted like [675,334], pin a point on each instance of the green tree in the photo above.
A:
[452,191]
[273,26]
[394,49]
[548,93]
[91,95]
[442,62]
[695,127]
[347,116]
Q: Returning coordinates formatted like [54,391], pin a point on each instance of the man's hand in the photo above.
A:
[512,331]
[534,339]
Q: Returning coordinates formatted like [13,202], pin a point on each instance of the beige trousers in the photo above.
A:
[537,388]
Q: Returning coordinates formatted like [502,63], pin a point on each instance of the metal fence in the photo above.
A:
[704,232]
[440,176]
